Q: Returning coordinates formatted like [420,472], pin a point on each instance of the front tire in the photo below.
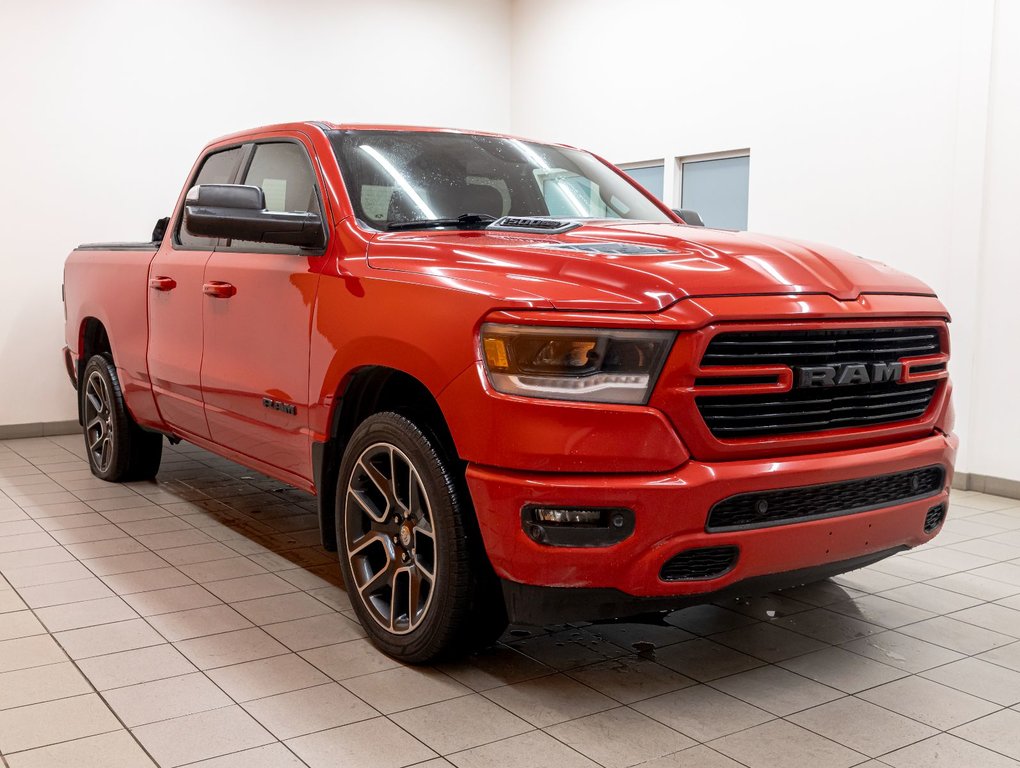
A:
[118,449]
[410,553]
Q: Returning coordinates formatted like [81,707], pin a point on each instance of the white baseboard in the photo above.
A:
[39,429]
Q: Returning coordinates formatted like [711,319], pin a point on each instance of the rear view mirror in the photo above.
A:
[689,217]
[238,212]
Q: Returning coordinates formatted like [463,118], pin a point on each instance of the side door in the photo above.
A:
[176,301]
[258,310]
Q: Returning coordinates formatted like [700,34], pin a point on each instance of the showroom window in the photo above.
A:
[650,176]
[717,188]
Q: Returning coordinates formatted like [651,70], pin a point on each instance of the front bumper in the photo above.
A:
[670,513]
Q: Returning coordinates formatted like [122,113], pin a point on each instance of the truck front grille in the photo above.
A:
[814,409]
[794,505]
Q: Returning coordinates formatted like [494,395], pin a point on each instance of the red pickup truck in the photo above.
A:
[521,387]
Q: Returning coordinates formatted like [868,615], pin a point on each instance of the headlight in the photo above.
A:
[596,365]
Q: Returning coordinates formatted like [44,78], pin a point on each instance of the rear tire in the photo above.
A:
[118,449]
[410,551]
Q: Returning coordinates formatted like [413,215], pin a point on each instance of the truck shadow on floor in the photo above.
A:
[276,526]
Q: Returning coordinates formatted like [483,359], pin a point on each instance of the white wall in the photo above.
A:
[888,129]
[866,123]
[105,106]
[996,385]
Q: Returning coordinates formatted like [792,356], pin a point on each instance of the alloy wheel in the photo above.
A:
[390,539]
[99,421]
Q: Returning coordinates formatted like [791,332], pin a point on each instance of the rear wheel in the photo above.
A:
[410,552]
[118,449]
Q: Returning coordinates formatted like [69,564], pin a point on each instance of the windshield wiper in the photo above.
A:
[464,221]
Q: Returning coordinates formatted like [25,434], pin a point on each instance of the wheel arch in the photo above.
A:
[368,390]
[93,339]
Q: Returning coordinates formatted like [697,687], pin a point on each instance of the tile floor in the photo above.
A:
[196,621]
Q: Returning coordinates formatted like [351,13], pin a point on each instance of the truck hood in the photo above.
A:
[634,266]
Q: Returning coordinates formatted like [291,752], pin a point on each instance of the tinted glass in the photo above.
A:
[218,168]
[717,189]
[648,176]
[400,176]
[284,173]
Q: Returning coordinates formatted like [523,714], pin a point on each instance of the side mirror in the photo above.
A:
[689,217]
[238,212]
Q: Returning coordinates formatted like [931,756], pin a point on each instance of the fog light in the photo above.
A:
[577,526]
[565,516]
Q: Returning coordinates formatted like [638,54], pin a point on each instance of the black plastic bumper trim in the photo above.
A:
[938,488]
[536,605]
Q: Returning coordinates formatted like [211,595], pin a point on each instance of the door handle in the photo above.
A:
[162,283]
[218,290]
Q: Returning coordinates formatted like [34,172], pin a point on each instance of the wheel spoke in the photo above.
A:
[395,596]
[94,400]
[105,454]
[383,577]
[393,474]
[378,478]
[413,595]
[367,506]
[370,538]
[424,527]
[414,501]
[412,488]
[104,394]
[425,571]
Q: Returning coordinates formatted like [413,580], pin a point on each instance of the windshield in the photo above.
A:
[394,177]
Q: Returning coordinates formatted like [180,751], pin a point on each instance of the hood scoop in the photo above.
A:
[614,249]
[532,224]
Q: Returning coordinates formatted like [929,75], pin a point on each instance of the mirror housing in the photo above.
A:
[238,212]
[689,217]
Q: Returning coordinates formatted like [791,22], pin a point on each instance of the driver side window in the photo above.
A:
[284,173]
